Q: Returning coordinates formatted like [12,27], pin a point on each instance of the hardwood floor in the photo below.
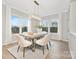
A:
[5,53]
[60,50]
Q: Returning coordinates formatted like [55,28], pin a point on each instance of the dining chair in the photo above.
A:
[43,42]
[22,43]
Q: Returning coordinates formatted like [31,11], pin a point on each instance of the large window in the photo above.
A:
[18,23]
[51,24]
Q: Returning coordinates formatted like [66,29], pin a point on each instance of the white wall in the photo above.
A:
[65,18]
[3,22]
[6,24]
[72,18]
[72,29]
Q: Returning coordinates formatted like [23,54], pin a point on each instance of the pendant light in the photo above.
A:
[35,16]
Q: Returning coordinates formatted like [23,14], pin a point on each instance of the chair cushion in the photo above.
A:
[27,43]
[40,42]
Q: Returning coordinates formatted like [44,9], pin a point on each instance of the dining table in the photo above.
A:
[33,37]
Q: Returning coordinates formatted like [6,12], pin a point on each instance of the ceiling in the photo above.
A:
[46,7]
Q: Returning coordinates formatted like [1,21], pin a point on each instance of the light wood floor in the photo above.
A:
[60,50]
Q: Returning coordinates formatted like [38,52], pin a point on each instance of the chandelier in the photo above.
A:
[35,16]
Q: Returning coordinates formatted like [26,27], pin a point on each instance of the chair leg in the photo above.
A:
[47,47]
[18,48]
[24,52]
[49,43]
[43,49]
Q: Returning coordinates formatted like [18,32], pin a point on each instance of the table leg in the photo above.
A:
[33,46]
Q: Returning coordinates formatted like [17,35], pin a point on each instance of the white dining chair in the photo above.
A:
[22,43]
[43,42]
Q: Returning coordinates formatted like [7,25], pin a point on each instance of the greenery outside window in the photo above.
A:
[54,27]
[44,24]
[45,29]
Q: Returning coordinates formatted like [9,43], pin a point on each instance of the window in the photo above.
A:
[51,24]
[24,29]
[18,23]
[45,29]
[15,29]
[54,27]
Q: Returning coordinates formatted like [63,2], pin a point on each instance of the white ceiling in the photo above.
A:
[46,7]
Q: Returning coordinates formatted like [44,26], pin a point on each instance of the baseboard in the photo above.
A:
[6,43]
[64,40]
